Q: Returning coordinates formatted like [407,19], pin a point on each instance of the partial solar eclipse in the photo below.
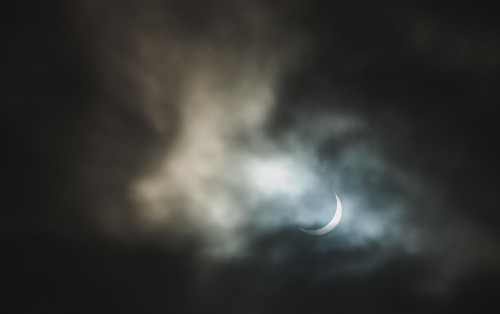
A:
[331,225]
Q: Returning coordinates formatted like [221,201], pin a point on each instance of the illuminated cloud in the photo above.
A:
[165,153]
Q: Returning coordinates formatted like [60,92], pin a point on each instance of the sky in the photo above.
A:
[162,156]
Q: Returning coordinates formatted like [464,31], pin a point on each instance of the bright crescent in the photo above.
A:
[332,224]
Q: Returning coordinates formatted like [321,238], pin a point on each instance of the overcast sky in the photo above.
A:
[161,156]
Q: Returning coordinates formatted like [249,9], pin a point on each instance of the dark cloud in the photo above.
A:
[162,154]
[50,273]
[298,282]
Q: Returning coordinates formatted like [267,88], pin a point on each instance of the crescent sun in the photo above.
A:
[332,224]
